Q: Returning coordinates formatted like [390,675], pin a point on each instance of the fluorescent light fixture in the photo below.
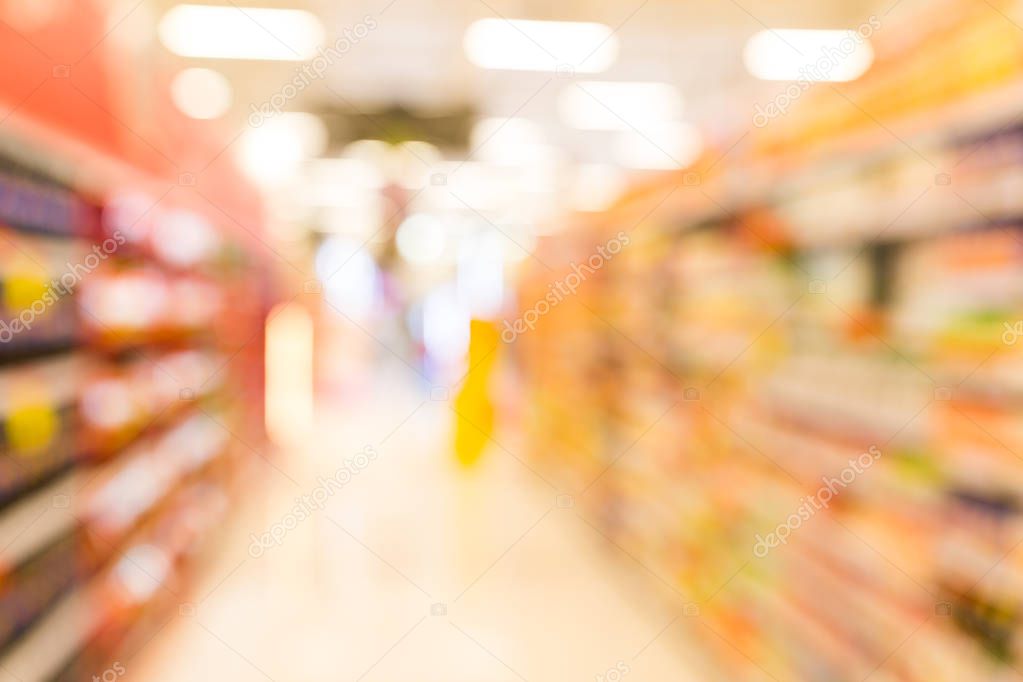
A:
[608,105]
[510,142]
[274,152]
[361,220]
[504,131]
[353,171]
[408,164]
[232,32]
[376,152]
[666,147]
[327,180]
[421,239]
[201,93]
[481,186]
[808,55]
[564,47]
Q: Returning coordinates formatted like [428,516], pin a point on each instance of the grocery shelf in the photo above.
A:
[41,654]
[80,635]
[47,512]
[822,398]
[941,143]
[112,349]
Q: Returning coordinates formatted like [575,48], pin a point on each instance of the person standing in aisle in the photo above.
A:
[474,407]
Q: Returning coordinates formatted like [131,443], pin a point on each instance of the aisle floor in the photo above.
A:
[415,570]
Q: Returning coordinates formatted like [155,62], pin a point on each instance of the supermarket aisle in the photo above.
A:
[413,570]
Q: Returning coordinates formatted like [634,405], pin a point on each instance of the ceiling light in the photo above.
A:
[274,152]
[362,220]
[509,141]
[201,93]
[470,186]
[340,182]
[232,32]
[408,164]
[517,130]
[376,152]
[524,45]
[666,147]
[808,55]
[421,239]
[604,105]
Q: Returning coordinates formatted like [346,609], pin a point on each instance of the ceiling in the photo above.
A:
[404,75]
[414,57]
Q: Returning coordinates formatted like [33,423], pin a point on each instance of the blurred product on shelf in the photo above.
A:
[40,417]
[795,396]
[36,313]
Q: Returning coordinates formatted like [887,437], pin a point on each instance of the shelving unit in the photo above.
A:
[124,392]
[839,294]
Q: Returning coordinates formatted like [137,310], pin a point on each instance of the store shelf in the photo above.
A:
[79,637]
[38,520]
[831,348]
[112,351]
[53,640]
